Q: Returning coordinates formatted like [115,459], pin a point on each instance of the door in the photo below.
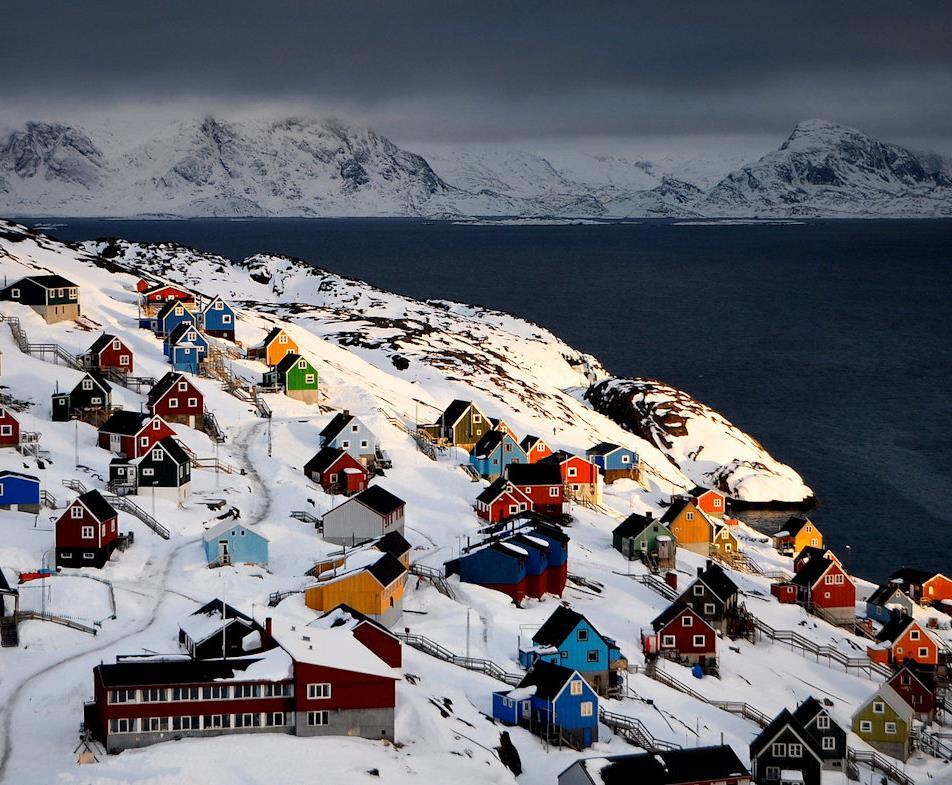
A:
[115,442]
[223,554]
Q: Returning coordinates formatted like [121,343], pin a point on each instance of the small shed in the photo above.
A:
[231,543]
[20,492]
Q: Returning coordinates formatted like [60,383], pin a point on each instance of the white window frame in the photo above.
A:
[317,718]
[828,743]
[585,709]
[891,728]
[76,512]
[575,688]
[319,691]
[698,640]
[865,726]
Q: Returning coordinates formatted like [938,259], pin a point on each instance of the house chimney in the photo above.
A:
[700,570]
[649,516]
[346,412]
[267,631]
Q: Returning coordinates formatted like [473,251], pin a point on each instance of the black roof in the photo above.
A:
[547,678]
[558,626]
[811,571]
[674,510]
[18,475]
[215,608]
[718,581]
[776,725]
[125,422]
[673,767]
[700,490]
[549,530]
[923,673]
[794,524]
[96,377]
[387,569]
[883,593]
[494,490]
[288,361]
[175,450]
[338,422]
[892,629]
[179,331]
[603,448]
[4,586]
[94,502]
[323,460]
[51,281]
[534,474]
[809,552]
[557,457]
[454,411]
[489,441]
[166,383]
[634,524]
[132,674]
[806,711]
[911,575]
[356,615]
[102,342]
[529,441]
[166,309]
[393,543]
[674,609]
[273,333]
[380,500]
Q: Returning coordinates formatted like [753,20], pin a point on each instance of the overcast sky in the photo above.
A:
[463,72]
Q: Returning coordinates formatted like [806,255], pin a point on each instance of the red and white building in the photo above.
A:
[322,679]
[542,483]
[337,471]
[175,399]
[154,296]
[9,429]
[501,501]
[108,352]
[581,478]
[681,634]
[536,448]
[132,434]
[87,532]
[822,584]
[708,500]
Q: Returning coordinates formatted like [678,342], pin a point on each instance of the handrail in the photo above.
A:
[126,505]
[877,761]
[63,620]
[657,584]
[635,731]
[436,576]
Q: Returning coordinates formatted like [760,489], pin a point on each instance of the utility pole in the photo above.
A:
[76,440]
[269,436]
[467,631]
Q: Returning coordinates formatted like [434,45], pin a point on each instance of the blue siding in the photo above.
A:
[558,554]
[538,561]
[616,460]
[491,566]
[19,490]
[573,652]
[173,320]
[213,319]
[244,546]
[568,707]
[509,714]
[493,465]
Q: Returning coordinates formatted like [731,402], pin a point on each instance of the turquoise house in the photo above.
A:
[231,543]
[551,701]
[569,639]
[494,452]
[186,348]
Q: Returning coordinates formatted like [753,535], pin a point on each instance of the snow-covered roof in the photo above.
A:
[333,647]
[220,528]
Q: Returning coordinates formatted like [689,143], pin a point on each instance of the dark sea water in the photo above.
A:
[829,341]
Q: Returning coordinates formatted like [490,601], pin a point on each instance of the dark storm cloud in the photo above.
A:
[495,70]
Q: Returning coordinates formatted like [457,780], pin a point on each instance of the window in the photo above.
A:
[66,555]
[218,721]
[477,418]
[192,402]
[778,750]
[88,532]
[554,491]
[689,516]
[318,691]
[282,338]
[564,655]
[148,472]
[828,580]
[6,430]
[592,655]
[88,555]
[248,720]
[540,447]
[513,509]
[185,694]
[576,687]
[144,441]
[879,707]
[226,318]
[309,378]
[581,635]
[829,743]
[15,294]
[914,635]
[218,305]
[626,459]
[891,728]
[823,722]
[838,580]
[667,641]
[717,502]
[317,718]
[87,384]
[364,443]
[687,621]
[344,444]
[156,425]
[923,651]
[274,719]
[586,709]
[698,640]
[698,590]
[102,530]
[158,454]
[215,693]
[865,726]
[122,696]
[173,403]
[708,608]
[95,400]
[123,725]
[124,359]
[155,724]
[573,471]
[795,750]
[773,773]
[186,723]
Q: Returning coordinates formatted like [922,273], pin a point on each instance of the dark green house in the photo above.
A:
[462,425]
[646,538]
[295,376]
[165,471]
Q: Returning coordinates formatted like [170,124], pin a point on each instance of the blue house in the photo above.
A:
[232,543]
[186,347]
[170,316]
[494,452]
[218,319]
[569,639]
[19,492]
[499,566]
[616,462]
[880,603]
[553,702]
[350,434]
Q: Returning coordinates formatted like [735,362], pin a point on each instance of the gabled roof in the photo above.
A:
[125,423]
[911,575]
[489,442]
[605,448]
[896,626]
[337,424]
[98,378]
[345,616]
[102,342]
[776,726]
[156,287]
[559,457]
[534,473]
[700,490]
[181,330]
[921,673]
[528,442]
[288,361]
[558,626]
[794,524]
[217,606]
[50,281]
[215,299]
[18,475]
[173,449]
[634,524]
[166,383]
[387,569]
[98,507]
[667,767]
[718,581]
[220,528]
[5,587]
[674,610]
[806,711]
[323,460]
[883,593]
[393,543]
[811,572]
[330,647]
[496,489]
[545,529]
[548,679]
[378,499]
[893,699]
[811,552]
[272,335]
[454,411]
[168,307]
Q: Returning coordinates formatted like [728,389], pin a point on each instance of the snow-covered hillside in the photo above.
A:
[388,359]
[308,167]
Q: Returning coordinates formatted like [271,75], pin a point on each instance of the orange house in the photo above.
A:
[273,348]
[690,525]
[536,448]
[903,638]
[373,586]
[937,589]
[796,534]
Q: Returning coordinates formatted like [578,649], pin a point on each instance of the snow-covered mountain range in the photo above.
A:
[311,168]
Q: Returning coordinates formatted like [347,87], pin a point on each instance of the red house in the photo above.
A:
[9,429]
[810,552]
[502,426]
[175,399]
[132,434]
[87,532]
[915,684]
[542,483]
[682,635]
[824,584]
[154,297]
[337,471]
[581,478]
[707,499]
[109,352]
[501,501]
[371,633]
[536,448]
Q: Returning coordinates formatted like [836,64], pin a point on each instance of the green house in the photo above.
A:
[644,537]
[885,722]
[462,425]
[295,376]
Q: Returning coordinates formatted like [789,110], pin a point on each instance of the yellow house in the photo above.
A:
[690,525]
[796,534]
[273,348]
[726,542]
[374,589]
